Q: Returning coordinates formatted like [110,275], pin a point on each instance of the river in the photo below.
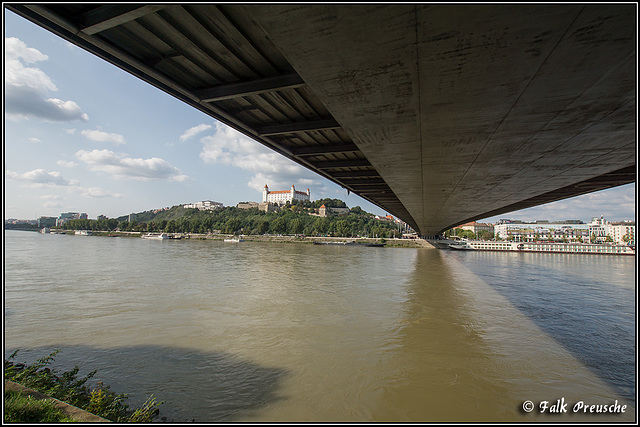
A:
[254,332]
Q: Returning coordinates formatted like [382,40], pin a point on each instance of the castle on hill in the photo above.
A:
[284,196]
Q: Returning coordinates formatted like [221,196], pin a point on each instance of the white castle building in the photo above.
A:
[284,196]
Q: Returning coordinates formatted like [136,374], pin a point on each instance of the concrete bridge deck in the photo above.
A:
[440,114]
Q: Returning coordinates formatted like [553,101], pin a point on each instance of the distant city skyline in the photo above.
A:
[84,136]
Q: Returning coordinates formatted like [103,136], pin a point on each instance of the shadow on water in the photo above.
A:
[195,385]
[591,318]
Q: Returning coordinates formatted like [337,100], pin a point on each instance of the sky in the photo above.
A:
[81,135]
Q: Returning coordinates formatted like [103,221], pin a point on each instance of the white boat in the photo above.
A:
[546,247]
[237,240]
[83,233]
[155,236]
[45,230]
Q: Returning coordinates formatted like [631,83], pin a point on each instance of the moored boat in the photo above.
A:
[334,243]
[234,240]
[545,247]
[155,236]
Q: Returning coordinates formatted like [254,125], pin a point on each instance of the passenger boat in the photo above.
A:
[237,240]
[83,233]
[545,247]
[155,236]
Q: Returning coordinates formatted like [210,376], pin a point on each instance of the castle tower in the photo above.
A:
[265,193]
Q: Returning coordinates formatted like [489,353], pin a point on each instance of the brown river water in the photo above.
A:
[292,332]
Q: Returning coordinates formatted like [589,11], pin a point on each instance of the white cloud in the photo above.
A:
[614,204]
[36,140]
[41,178]
[230,147]
[67,164]
[52,204]
[53,201]
[122,167]
[26,87]
[98,193]
[100,136]
[189,133]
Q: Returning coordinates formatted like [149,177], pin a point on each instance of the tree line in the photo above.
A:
[293,219]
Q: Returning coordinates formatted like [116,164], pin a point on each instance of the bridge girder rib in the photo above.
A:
[253,87]
[110,16]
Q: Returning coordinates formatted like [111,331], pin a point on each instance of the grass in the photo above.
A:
[68,387]
[19,408]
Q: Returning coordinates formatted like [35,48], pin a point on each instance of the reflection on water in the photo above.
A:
[289,332]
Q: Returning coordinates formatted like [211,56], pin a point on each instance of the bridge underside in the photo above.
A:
[440,114]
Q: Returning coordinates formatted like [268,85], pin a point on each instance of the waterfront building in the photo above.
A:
[623,232]
[67,216]
[620,233]
[521,231]
[284,196]
[14,221]
[205,205]
[47,221]
[598,229]
[476,227]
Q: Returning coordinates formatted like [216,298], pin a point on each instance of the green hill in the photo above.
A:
[295,219]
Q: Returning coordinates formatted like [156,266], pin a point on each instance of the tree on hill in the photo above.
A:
[294,219]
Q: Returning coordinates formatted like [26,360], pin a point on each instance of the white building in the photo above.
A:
[284,196]
[67,216]
[598,228]
[205,205]
[622,233]
[618,231]
[521,231]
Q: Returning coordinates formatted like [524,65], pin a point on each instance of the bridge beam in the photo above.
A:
[253,87]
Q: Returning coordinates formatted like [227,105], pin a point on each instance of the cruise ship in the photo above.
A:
[547,247]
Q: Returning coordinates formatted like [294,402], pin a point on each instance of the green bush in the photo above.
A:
[68,388]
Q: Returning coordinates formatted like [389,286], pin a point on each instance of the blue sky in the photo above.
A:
[81,135]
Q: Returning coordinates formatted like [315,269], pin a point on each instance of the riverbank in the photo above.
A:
[71,412]
[389,242]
